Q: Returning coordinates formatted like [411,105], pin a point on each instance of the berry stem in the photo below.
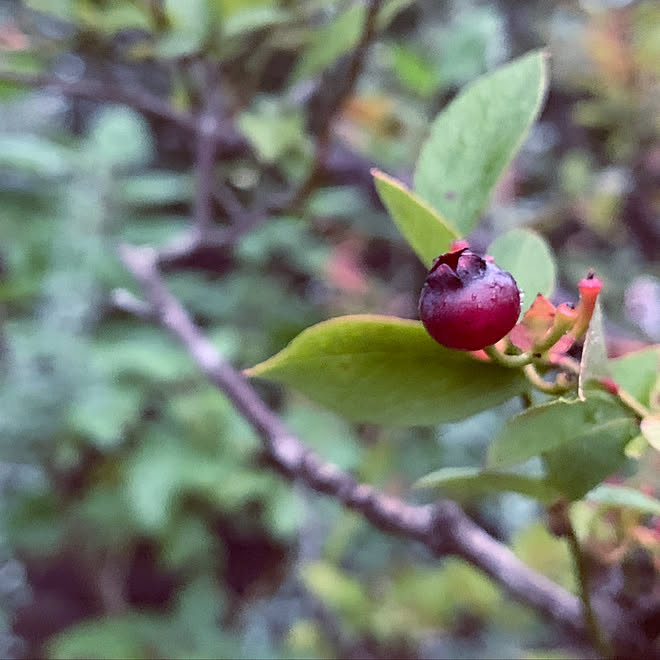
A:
[547,387]
[569,364]
[633,404]
[511,361]
[560,327]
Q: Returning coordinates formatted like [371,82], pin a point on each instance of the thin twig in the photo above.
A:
[581,563]
[345,88]
[442,527]
[227,138]
[357,61]
[228,200]
[204,161]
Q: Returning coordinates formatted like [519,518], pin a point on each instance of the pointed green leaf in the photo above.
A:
[426,231]
[593,365]
[389,371]
[574,468]
[614,495]
[474,139]
[528,257]
[543,428]
[460,482]
[340,36]
[637,372]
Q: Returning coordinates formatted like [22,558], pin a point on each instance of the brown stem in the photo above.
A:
[442,527]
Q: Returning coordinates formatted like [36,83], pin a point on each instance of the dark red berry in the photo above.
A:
[467,302]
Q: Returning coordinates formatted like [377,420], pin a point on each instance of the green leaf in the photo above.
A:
[157,188]
[120,137]
[413,71]
[636,447]
[119,15]
[330,42]
[389,371]
[285,512]
[417,588]
[458,482]
[630,498]
[548,426]
[242,22]
[228,8]
[637,372]
[545,553]
[139,354]
[474,139]
[576,467]
[338,591]
[62,9]
[34,154]
[527,256]
[153,480]
[593,365]
[469,43]
[340,36]
[426,231]
[190,21]
[153,230]
[123,636]
[103,412]
[272,133]
[650,428]
[326,433]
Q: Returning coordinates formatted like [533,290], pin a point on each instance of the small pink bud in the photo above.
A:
[589,288]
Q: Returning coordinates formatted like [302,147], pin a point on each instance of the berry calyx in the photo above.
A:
[467,302]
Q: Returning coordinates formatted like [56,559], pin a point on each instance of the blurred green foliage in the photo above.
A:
[138,517]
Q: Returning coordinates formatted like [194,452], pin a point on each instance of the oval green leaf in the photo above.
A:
[426,231]
[527,256]
[387,370]
[546,427]
[474,139]
[623,496]
[576,467]
[461,482]
[637,372]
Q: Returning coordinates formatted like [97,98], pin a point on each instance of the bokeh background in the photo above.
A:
[137,515]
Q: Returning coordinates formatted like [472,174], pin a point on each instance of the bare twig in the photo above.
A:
[345,88]
[226,198]
[582,571]
[129,302]
[443,527]
[216,135]
[356,62]
[228,140]
[204,160]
